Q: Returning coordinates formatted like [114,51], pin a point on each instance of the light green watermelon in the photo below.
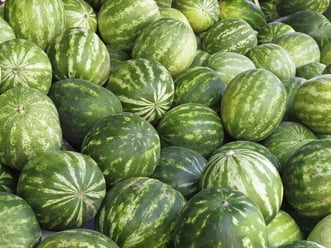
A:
[6,31]
[321,232]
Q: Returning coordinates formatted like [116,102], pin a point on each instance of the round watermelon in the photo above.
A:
[220,217]
[311,70]
[321,232]
[287,7]
[144,87]
[79,53]
[30,125]
[64,188]
[19,226]
[46,20]
[124,145]
[170,12]
[140,212]
[23,63]
[272,30]
[6,31]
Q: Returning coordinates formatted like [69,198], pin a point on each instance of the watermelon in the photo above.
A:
[273,58]
[243,9]
[140,212]
[312,104]
[144,87]
[19,226]
[301,244]
[228,64]
[220,217]
[190,83]
[173,13]
[116,25]
[164,3]
[191,125]
[200,57]
[65,189]
[181,168]
[272,30]
[30,125]
[248,171]
[306,179]
[287,7]
[311,70]
[8,179]
[124,145]
[91,103]
[253,105]
[288,137]
[46,20]
[176,54]
[6,31]
[229,35]
[23,63]
[283,229]
[321,232]
[79,13]
[302,48]
[77,238]
[326,54]
[79,53]
[201,14]
[117,56]
[269,10]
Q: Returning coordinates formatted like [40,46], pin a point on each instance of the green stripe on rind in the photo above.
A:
[286,7]
[65,189]
[274,58]
[144,87]
[272,30]
[19,226]
[312,104]
[30,125]
[229,35]
[220,217]
[79,53]
[170,42]
[190,83]
[6,31]
[46,20]
[192,125]
[23,63]
[121,21]
[80,14]
[249,172]
[77,238]
[283,229]
[8,179]
[306,179]
[140,212]
[181,168]
[253,104]
[124,145]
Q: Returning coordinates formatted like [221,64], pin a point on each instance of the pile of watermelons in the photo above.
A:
[165,123]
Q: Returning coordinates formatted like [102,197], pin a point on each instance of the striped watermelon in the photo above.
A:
[229,35]
[79,13]
[228,64]
[124,145]
[181,168]
[140,212]
[164,3]
[77,114]
[190,83]
[274,58]
[79,53]
[326,54]
[121,21]
[269,10]
[283,229]
[248,171]
[312,104]
[253,105]
[8,179]
[220,217]
[30,125]
[25,64]
[272,30]
[144,87]
[306,179]
[173,13]
[321,232]
[19,226]
[77,238]
[287,7]
[64,188]
[6,31]
[191,125]
[302,244]
[201,14]
[288,137]
[46,19]
[176,54]
[311,70]
[199,58]
[117,56]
